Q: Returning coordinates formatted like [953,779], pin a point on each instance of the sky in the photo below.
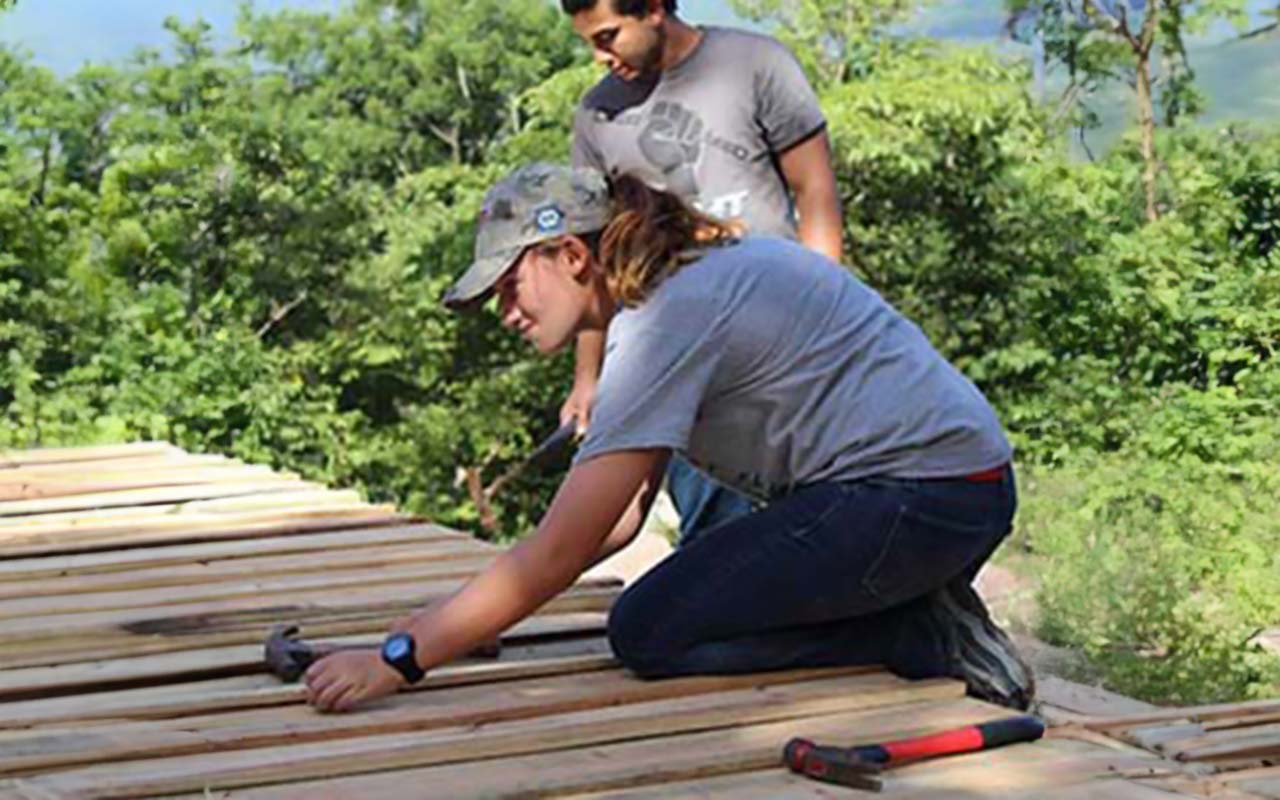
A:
[64,34]
[1240,78]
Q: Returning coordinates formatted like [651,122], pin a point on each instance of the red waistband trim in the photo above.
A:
[993,475]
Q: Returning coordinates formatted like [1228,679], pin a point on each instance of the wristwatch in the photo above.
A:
[398,651]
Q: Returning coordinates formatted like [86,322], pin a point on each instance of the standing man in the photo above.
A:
[726,120]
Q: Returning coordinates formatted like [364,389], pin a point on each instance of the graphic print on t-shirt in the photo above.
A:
[671,141]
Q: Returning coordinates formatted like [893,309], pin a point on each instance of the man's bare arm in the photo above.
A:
[811,178]
[588,356]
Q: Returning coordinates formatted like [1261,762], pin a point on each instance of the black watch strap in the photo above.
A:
[399,651]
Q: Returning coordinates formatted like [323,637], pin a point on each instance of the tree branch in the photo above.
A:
[279,312]
[1265,29]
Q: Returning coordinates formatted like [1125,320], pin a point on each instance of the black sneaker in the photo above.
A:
[982,654]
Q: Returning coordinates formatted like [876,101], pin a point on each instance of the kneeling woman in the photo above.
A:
[882,474]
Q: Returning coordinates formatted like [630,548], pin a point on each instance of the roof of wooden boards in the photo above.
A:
[137,583]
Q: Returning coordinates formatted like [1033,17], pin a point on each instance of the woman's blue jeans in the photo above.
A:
[832,574]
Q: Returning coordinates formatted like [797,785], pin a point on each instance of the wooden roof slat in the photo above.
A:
[539,658]
[73,522]
[185,531]
[255,586]
[239,621]
[731,708]
[149,464]
[90,671]
[654,761]
[174,566]
[16,510]
[53,455]
[219,571]
[556,697]
[163,555]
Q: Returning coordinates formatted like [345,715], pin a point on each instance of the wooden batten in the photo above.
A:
[137,584]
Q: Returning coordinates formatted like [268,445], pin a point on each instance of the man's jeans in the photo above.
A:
[832,574]
[701,502]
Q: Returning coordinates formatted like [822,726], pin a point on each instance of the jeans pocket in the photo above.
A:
[804,511]
[921,553]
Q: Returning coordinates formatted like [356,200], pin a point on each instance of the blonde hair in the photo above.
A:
[650,236]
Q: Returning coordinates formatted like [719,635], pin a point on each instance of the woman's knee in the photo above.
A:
[637,641]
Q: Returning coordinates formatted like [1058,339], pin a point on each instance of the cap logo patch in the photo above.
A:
[548,219]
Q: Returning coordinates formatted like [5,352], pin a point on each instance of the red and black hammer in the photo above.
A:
[856,766]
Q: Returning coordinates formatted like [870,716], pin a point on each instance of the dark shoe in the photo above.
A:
[981,653]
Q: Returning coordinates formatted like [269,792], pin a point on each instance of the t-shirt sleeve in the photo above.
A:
[583,152]
[787,108]
[654,379]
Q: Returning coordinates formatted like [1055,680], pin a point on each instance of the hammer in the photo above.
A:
[859,766]
[288,657]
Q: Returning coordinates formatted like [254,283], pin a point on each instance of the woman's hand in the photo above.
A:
[577,406]
[348,678]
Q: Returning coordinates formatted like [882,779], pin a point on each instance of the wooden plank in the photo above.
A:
[1261,782]
[1255,783]
[1241,722]
[772,783]
[197,663]
[264,588]
[71,523]
[177,460]
[1039,769]
[1212,740]
[437,551]
[24,643]
[603,767]
[185,531]
[1034,772]
[468,706]
[150,496]
[1190,714]
[537,658]
[51,455]
[1184,786]
[506,739]
[33,487]
[1246,743]
[165,555]
[198,619]
[1156,737]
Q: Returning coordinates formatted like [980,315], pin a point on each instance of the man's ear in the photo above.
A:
[657,10]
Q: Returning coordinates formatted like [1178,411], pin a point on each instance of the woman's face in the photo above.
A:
[545,296]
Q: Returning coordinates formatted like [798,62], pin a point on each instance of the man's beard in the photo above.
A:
[651,59]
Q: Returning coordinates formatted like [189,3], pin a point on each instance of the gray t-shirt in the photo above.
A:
[709,130]
[770,366]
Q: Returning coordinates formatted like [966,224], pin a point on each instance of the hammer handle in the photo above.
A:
[840,764]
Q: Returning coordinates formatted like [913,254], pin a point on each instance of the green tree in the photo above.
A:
[834,39]
[1099,40]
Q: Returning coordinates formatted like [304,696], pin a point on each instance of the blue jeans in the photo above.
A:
[832,574]
[701,502]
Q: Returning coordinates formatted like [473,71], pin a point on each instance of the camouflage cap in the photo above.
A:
[535,203]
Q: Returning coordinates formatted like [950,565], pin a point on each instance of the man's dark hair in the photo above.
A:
[632,8]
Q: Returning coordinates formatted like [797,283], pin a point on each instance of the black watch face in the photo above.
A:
[397,647]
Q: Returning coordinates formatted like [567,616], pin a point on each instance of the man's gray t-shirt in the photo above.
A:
[769,366]
[710,129]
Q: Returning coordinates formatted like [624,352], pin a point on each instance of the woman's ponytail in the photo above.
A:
[649,237]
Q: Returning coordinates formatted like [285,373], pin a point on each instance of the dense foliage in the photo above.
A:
[242,252]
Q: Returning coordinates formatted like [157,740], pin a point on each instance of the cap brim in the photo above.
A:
[477,282]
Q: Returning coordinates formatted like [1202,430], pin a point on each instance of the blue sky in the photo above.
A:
[63,34]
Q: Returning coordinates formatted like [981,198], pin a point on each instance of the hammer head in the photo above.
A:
[286,655]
